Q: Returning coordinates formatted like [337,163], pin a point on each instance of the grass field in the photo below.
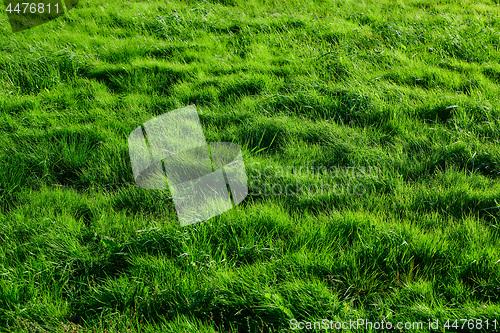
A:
[394,104]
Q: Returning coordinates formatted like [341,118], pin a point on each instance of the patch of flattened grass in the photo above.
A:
[151,78]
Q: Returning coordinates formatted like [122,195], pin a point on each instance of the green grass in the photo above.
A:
[405,93]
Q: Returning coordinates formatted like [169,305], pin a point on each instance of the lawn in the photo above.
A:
[370,135]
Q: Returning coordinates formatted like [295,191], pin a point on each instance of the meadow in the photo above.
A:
[394,104]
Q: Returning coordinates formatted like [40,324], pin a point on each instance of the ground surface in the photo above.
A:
[393,104]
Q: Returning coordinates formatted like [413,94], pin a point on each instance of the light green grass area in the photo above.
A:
[397,99]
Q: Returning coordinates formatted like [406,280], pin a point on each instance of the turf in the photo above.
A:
[381,118]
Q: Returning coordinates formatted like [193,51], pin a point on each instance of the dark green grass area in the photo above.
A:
[370,134]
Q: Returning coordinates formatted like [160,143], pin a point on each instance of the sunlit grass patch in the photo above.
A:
[370,136]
